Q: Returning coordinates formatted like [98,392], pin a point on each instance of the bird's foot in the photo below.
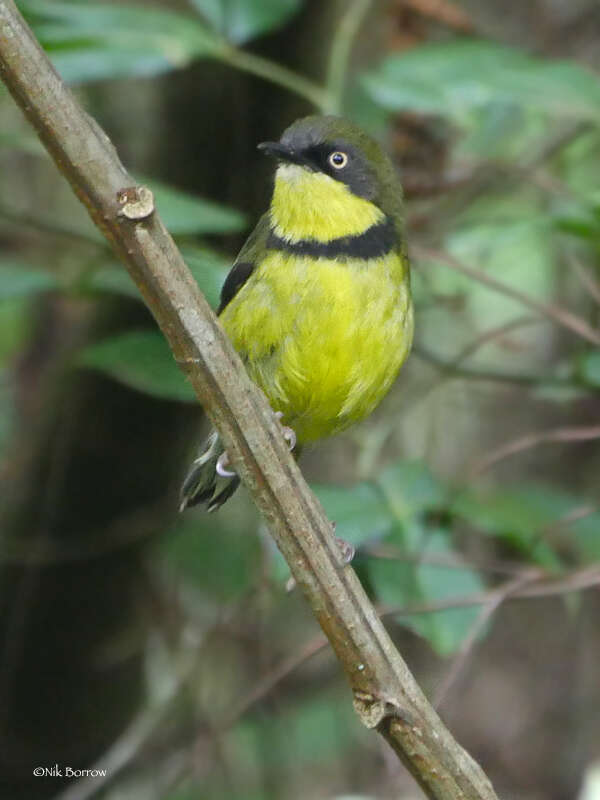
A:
[289,434]
[223,463]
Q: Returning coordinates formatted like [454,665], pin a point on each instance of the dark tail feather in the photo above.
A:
[200,484]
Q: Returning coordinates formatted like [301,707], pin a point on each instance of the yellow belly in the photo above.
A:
[323,339]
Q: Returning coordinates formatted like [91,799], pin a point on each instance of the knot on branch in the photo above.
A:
[373,710]
[137,202]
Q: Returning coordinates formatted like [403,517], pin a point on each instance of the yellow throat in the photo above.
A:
[311,205]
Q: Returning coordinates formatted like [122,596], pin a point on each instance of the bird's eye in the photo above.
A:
[338,160]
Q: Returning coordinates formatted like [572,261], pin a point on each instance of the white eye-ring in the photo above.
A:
[337,159]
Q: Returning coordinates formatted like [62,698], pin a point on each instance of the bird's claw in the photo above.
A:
[289,434]
[222,464]
[347,550]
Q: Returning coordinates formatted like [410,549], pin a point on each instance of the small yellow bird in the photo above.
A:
[318,301]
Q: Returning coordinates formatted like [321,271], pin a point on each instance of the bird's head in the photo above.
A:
[332,173]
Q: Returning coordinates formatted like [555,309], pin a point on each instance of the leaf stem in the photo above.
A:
[275,73]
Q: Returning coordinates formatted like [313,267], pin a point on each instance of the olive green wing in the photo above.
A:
[201,483]
[246,262]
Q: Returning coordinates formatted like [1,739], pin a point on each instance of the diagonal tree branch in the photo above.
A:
[386,695]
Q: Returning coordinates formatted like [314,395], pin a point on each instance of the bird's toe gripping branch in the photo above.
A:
[223,463]
[289,434]
[347,550]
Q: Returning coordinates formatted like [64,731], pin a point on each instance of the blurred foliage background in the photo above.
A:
[166,649]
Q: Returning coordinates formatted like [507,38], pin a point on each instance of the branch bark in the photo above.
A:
[386,695]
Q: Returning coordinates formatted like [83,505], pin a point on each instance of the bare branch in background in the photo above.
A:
[453,368]
[585,276]
[558,315]
[495,600]
[530,440]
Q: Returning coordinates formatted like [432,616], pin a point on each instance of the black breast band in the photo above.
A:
[378,240]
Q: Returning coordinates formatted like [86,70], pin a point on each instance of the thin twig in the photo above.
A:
[574,515]
[443,560]
[495,600]
[530,440]
[586,278]
[499,177]
[576,581]
[558,315]
[268,682]
[50,226]
[532,584]
[490,335]
[474,374]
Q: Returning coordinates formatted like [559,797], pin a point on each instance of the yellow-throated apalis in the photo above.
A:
[318,301]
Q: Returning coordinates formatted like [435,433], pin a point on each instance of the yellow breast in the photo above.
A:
[324,339]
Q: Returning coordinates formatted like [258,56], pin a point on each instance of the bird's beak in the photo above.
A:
[280,152]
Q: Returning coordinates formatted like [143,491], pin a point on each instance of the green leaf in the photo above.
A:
[586,532]
[589,368]
[8,407]
[21,280]
[408,584]
[87,63]
[94,41]
[208,268]
[15,326]
[241,20]
[371,510]
[393,509]
[114,280]
[409,489]
[360,512]
[218,558]
[581,227]
[581,219]
[519,515]
[142,361]
[456,78]
[445,630]
[580,164]
[185,213]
